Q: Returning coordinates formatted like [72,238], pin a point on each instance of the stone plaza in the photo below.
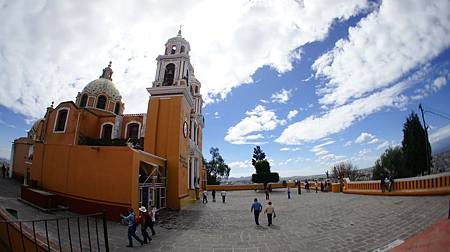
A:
[307,222]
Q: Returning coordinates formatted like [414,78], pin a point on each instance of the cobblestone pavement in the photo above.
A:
[310,221]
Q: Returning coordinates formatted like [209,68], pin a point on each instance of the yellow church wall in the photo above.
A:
[164,137]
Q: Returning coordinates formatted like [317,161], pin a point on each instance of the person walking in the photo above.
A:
[267,193]
[130,219]
[299,187]
[205,197]
[213,193]
[270,211]
[144,219]
[4,170]
[321,186]
[256,209]
[152,215]
[316,186]
[223,193]
[289,192]
[382,184]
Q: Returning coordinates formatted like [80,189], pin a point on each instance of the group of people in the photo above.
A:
[387,183]
[269,210]
[145,219]
[223,193]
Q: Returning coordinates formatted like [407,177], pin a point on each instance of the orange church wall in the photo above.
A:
[101,175]
[69,134]
[89,124]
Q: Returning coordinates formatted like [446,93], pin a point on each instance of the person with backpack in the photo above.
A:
[144,219]
[130,219]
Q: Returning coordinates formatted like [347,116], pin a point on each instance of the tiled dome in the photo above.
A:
[102,86]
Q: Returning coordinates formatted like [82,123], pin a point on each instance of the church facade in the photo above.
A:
[94,157]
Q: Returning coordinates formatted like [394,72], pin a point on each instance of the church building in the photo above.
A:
[91,156]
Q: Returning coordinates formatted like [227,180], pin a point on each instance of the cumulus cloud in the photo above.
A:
[281,96]
[292,114]
[364,137]
[52,49]
[348,143]
[384,46]
[258,120]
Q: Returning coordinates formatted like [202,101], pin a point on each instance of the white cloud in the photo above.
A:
[259,119]
[52,49]
[240,164]
[430,88]
[216,115]
[364,137]
[281,96]
[290,149]
[383,145]
[7,124]
[337,119]
[384,46]
[348,143]
[440,134]
[292,114]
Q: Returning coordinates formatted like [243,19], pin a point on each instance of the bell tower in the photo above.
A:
[175,123]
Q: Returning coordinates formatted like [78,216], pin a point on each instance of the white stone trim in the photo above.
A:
[139,131]
[56,119]
[101,129]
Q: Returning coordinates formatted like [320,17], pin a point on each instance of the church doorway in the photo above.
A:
[152,186]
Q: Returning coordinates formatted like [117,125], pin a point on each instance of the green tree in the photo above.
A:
[345,170]
[262,167]
[216,168]
[414,147]
[258,155]
[390,163]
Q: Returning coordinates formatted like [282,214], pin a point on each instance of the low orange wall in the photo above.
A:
[437,184]
[15,237]
[335,187]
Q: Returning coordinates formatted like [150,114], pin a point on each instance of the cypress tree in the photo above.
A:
[414,148]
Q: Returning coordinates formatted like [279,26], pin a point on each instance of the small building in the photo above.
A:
[94,157]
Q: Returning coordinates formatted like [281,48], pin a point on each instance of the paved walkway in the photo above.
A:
[320,222]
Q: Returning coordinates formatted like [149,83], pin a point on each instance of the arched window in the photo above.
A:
[117,108]
[174,49]
[133,130]
[61,120]
[169,74]
[182,49]
[107,131]
[101,102]
[83,101]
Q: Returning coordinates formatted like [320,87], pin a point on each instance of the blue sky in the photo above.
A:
[313,82]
